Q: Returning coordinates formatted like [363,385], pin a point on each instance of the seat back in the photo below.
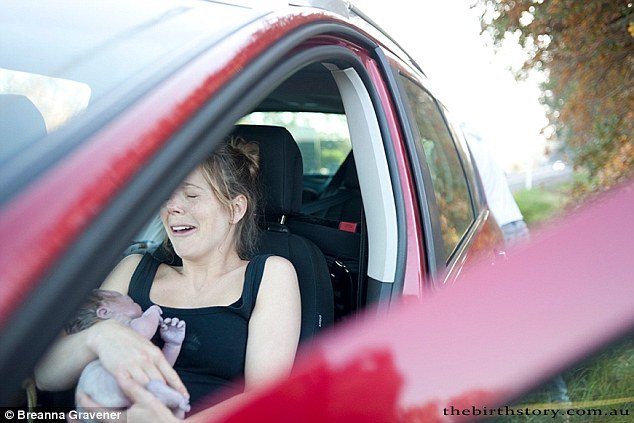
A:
[281,178]
[334,223]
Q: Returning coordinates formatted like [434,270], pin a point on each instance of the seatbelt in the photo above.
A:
[325,203]
[337,180]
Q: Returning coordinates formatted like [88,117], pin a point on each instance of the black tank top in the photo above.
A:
[213,352]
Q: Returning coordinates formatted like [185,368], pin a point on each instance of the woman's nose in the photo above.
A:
[173,205]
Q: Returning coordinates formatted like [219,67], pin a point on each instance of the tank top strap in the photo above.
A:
[252,279]
[141,281]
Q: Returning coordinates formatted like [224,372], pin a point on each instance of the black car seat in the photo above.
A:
[281,178]
[334,222]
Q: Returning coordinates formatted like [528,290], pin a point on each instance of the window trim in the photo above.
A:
[440,270]
[425,190]
[375,182]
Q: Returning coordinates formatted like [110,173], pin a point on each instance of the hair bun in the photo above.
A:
[250,150]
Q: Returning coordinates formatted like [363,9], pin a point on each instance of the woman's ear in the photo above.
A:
[238,208]
[103,312]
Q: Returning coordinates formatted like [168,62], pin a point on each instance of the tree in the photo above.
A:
[585,48]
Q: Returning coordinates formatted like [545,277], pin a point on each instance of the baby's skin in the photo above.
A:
[102,387]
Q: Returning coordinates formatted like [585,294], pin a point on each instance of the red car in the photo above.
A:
[104,109]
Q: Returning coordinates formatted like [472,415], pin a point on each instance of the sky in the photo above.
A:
[474,82]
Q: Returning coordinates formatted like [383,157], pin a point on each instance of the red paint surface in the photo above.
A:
[415,270]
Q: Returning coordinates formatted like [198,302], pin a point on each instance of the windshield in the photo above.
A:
[33,105]
[59,59]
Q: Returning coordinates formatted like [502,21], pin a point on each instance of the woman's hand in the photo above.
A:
[145,406]
[127,355]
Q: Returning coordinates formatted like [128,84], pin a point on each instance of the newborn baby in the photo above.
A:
[96,381]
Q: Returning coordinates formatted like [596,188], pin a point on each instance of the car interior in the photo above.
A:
[327,207]
[314,213]
[336,227]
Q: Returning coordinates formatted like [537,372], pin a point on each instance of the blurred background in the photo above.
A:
[547,85]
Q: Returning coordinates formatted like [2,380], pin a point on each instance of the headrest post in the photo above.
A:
[282,219]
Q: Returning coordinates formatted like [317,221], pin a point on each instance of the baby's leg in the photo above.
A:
[146,324]
[101,386]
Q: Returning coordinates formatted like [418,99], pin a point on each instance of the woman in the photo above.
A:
[243,316]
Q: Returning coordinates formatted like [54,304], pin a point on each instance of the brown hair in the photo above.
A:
[87,314]
[232,170]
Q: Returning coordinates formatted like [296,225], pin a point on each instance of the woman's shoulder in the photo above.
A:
[278,291]
[279,272]
[275,263]
[119,278]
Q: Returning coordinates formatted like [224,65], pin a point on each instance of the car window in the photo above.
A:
[53,71]
[323,138]
[465,158]
[32,105]
[447,175]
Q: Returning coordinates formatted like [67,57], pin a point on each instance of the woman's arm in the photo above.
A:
[274,326]
[66,358]
[60,368]
[120,349]
[273,337]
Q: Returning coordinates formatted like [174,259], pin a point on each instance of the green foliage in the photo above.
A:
[605,382]
[541,204]
[333,154]
[609,375]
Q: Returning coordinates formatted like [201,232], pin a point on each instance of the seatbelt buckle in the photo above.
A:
[348,226]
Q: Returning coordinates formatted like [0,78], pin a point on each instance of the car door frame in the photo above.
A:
[439,271]
[86,260]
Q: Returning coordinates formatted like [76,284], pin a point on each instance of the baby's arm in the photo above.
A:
[146,324]
[173,334]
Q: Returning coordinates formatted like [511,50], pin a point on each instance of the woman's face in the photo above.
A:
[195,220]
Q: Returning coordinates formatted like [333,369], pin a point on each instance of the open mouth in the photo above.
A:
[182,229]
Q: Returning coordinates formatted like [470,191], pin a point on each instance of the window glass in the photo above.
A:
[32,105]
[323,138]
[54,67]
[448,178]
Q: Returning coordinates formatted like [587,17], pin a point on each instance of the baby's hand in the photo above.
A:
[173,330]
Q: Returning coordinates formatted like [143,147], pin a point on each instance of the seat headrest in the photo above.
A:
[281,167]
[21,123]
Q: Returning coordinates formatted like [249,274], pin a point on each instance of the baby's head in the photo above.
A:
[103,305]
